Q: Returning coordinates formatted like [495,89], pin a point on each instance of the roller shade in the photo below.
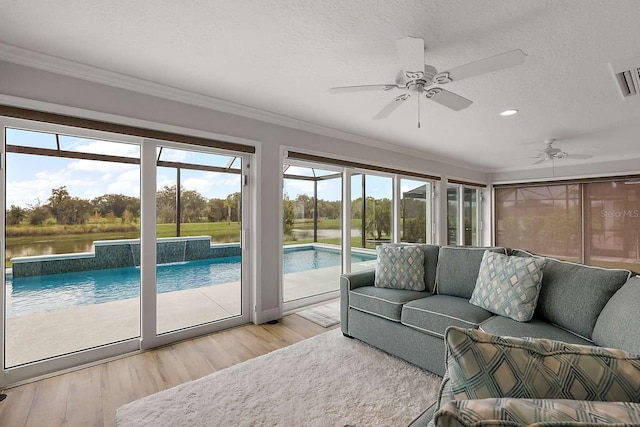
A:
[59,119]
[338,162]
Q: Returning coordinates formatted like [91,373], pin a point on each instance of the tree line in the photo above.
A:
[63,208]
[377,218]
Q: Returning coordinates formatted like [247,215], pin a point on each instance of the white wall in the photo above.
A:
[28,87]
[582,170]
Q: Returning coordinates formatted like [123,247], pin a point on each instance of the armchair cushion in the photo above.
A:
[480,365]
[536,412]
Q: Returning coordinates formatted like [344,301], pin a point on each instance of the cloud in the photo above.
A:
[214,185]
[105,147]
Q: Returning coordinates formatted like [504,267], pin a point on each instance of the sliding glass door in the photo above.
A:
[64,230]
[198,239]
[312,232]
[114,243]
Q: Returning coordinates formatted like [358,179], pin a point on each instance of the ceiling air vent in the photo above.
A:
[628,81]
[627,74]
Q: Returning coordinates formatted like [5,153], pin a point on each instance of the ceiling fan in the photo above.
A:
[416,78]
[551,153]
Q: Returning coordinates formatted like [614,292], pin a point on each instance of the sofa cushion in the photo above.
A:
[573,295]
[536,328]
[508,286]
[400,267]
[436,313]
[536,412]
[480,366]
[382,302]
[458,269]
[619,323]
[430,262]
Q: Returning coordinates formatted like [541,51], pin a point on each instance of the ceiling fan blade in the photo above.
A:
[487,65]
[411,54]
[391,107]
[577,156]
[363,88]
[448,99]
[540,160]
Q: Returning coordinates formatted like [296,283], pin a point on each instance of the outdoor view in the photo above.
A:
[312,223]
[72,248]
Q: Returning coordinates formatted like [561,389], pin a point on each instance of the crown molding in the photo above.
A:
[41,61]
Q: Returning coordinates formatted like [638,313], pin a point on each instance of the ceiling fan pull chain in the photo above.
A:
[418,98]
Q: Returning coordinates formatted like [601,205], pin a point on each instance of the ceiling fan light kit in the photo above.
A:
[417,78]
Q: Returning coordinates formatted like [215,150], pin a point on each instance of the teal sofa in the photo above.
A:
[577,304]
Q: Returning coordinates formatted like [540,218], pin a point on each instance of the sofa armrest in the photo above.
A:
[358,279]
[348,282]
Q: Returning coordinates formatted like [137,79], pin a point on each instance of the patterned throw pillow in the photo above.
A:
[481,366]
[527,412]
[508,285]
[400,267]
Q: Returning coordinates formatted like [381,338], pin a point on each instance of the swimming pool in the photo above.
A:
[29,295]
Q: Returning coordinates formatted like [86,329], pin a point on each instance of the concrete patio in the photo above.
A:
[37,336]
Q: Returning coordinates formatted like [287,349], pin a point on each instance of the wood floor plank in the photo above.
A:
[90,396]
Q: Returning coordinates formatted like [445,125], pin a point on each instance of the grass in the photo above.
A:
[324,224]
[58,239]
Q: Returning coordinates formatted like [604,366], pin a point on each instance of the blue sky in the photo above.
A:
[31,178]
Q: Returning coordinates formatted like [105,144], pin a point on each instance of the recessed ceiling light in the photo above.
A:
[509,112]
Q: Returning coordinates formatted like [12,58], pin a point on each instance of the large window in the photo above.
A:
[115,243]
[596,223]
[371,216]
[463,215]
[381,206]
[416,217]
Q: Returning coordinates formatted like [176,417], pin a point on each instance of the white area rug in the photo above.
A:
[327,380]
[324,315]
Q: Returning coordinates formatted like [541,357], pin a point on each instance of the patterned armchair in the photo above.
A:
[492,380]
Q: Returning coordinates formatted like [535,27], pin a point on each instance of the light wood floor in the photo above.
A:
[90,397]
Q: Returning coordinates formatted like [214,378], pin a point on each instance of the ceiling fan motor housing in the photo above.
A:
[408,78]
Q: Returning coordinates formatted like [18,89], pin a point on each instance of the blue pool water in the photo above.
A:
[28,295]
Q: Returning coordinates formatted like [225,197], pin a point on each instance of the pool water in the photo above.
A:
[29,295]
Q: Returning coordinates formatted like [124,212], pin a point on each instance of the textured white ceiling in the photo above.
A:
[282,56]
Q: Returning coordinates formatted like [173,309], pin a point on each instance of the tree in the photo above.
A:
[192,206]
[288,214]
[215,210]
[15,215]
[356,208]
[68,210]
[329,210]
[378,217]
[232,204]
[308,203]
[117,203]
[38,213]
[166,204]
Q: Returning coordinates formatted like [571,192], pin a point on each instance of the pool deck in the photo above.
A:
[42,335]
